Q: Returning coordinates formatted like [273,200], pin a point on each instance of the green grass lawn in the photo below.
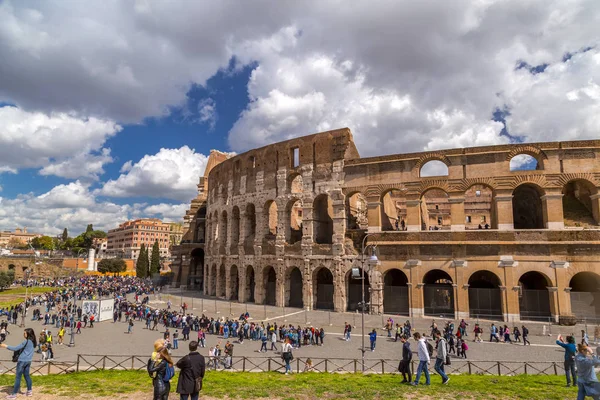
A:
[14,296]
[247,385]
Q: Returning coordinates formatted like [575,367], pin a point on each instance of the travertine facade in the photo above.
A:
[482,241]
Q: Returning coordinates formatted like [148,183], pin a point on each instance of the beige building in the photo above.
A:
[19,234]
[126,240]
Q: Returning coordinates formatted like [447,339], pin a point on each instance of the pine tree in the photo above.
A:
[155,260]
[141,267]
[65,235]
[89,229]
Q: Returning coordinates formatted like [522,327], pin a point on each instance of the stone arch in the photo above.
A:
[530,151]
[485,296]
[216,228]
[323,219]
[354,292]
[250,228]
[393,210]
[200,219]
[250,284]
[435,209]
[270,219]
[323,289]
[528,212]
[295,184]
[534,297]
[425,158]
[579,208]
[438,293]
[221,281]
[294,288]
[433,168]
[479,207]
[197,265]
[223,230]
[356,211]
[11,267]
[270,285]
[293,223]
[395,292]
[585,295]
[235,227]
[234,283]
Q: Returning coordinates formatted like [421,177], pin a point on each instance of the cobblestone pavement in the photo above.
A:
[108,338]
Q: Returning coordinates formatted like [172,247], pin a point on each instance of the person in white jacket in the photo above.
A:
[423,359]
[440,359]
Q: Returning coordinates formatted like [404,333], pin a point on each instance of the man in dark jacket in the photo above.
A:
[192,369]
[404,366]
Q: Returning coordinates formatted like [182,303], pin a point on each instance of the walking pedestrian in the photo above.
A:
[273,339]
[570,352]
[440,359]
[373,339]
[24,362]
[525,333]
[404,366]
[424,359]
[193,367]
[587,382]
[287,356]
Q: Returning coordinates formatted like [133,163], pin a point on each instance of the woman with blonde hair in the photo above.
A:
[161,371]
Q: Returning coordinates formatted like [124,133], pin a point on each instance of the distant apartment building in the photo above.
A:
[126,240]
[19,234]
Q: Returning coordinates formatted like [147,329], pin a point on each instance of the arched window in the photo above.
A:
[323,219]
[524,162]
[433,168]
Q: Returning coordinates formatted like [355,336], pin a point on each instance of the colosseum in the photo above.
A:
[504,232]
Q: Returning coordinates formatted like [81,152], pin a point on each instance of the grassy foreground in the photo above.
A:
[14,296]
[246,385]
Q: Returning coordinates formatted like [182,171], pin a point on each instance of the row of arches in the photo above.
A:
[485,291]
[435,211]
[518,162]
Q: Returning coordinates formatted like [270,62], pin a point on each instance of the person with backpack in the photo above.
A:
[192,369]
[440,359]
[525,333]
[404,366]
[494,333]
[570,352]
[161,371]
[424,358]
[24,353]
[373,339]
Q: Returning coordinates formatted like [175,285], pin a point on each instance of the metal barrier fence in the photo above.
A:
[87,363]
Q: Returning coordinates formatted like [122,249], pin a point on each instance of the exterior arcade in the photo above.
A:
[282,225]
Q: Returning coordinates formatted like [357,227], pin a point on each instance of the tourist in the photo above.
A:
[175,339]
[373,339]
[308,366]
[159,371]
[464,347]
[424,359]
[517,334]
[192,368]
[494,333]
[463,328]
[26,349]
[399,332]
[587,382]
[347,331]
[506,332]
[228,355]
[404,366]
[584,338]
[570,351]
[525,333]
[287,356]
[263,345]
[440,359]
[273,340]
[478,332]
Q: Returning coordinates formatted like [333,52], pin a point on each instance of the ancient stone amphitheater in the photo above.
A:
[501,232]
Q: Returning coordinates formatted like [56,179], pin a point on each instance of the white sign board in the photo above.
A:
[91,307]
[106,309]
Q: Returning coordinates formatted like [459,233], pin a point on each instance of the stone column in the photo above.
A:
[553,211]
[259,284]
[596,207]
[374,207]
[228,282]
[376,282]
[510,295]
[504,210]
[457,213]
[461,290]
[563,298]
[307,226]
[259,234]
[339,222]
[413,215]
[242,295]
[415,289]
[307,285]
[339,286]
[282,227]
[554,307]
[219,285]
[242,235]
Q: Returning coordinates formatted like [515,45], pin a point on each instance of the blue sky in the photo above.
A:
[109,109]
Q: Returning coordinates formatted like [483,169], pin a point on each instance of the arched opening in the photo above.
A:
[578,206]
[196,275]
[534,298]
[213,281]
[270,285]
[485,297]
[323,219]
[478,208]
[435,210]
[270,215]
[234,283]
[295,182]
[235,227]
[323,289]
[223,233]
[395,292]
[11,267]
[438,294]
[294,224]
[585,295]
[216,228]
[294,288]
[524,162]
[221,284]
[250,229]
[433,168]
[353,289]
[356,211]
[527,207]
[199,233]
[393,211]
[250,284]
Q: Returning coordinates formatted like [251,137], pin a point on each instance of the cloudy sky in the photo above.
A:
[108,108]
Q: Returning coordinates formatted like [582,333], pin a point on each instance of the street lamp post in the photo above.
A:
[26,273]
[373,260]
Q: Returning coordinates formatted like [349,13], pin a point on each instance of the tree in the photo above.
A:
[6,279]
[65,235]
[89,229]
[112,265]
[141,267]
[155,260]
[43,242]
